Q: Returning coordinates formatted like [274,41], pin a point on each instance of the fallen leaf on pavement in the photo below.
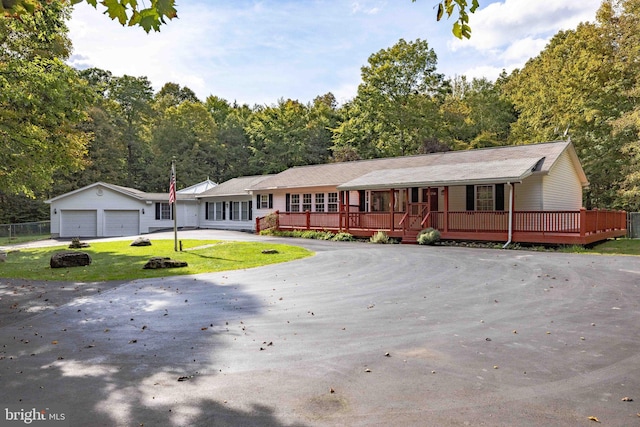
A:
[594,419]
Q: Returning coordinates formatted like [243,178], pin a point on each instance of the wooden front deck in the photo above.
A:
[549,227]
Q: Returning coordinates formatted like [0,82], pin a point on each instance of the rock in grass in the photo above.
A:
[141,241]
[270,251]
[163,262]
[69,259]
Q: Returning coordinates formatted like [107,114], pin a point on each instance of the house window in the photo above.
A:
[163,211]
[220,211]
[240,211]
[484,198]
[215,211]
[319,202]
[332,199]
[306,202]
[263,201]
[295,203]
[380,201]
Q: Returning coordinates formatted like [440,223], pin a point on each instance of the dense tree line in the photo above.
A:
[86,126]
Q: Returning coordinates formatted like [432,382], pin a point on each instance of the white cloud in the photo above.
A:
[505,22]
[257,51]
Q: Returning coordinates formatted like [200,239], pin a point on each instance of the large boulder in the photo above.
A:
[69,259]
[141,241]
[160,262]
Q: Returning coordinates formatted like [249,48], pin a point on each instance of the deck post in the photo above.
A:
[392,203]
[340,211]
[446,209]
[308,215]
[257,225]
[583,222]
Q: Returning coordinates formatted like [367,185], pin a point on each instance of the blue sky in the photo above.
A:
[256,52]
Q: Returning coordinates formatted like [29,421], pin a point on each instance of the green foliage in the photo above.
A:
[461,26]
[428,236]
[380,237]
[120,261]
[127,12]
[42,102]
[309,234]
[396,108]
[343,237]
[290,134]
[567,92]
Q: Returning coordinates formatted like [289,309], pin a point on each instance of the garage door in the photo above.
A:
[78,223]
[121,223]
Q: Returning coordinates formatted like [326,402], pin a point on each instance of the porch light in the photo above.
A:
[142,211]
[55,211]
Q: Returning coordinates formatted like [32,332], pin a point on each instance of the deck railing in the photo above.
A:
[579,223]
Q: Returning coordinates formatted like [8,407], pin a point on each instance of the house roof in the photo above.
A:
[235,186]
[198,188]
[490,172]
[336,174]
[137,194]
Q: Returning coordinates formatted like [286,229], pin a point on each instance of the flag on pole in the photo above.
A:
[172,185]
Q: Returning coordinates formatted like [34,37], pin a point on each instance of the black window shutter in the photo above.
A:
[499,197]
[471,198]
[157,210]
[287,198]
[224,210]
[270,201]
[230,211]
[250,210]
[257,201]
[363,201]
[206,210]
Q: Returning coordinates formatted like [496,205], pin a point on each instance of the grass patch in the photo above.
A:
[5,240]
[616,247]
[119,261]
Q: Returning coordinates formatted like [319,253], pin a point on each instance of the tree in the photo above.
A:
[188,133]
[476,114]
[278,136]
[621,21]
[575,89]
[127,12]
[396,108]
[133,97]
[171,94]
[42,102]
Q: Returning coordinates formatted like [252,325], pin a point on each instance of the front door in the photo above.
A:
[430,195]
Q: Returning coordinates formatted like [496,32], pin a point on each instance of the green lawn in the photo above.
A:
[5,240]
[617,247]
[120,261]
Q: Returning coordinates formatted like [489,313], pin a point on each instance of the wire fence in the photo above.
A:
[14,233]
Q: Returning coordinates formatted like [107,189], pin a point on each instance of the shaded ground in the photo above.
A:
[358,335]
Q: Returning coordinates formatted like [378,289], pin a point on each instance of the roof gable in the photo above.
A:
[234,187]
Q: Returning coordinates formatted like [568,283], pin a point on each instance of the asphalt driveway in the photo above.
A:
[358,334]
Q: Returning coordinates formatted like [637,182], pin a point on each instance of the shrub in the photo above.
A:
[428,236]
[380,237]
[271,220]
[343,237]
